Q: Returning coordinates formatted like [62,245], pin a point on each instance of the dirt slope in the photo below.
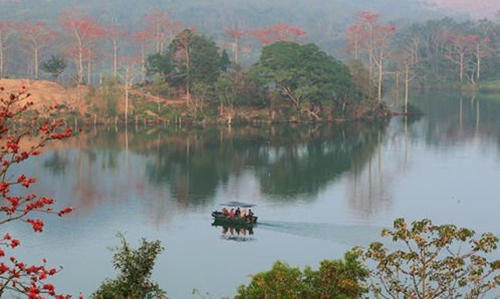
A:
[46,93]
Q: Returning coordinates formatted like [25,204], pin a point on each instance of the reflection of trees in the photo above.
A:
[448,120]
[189,166]
[452,118]
[302,169]
[371,177]
[371,181]
[56,163]
[288,162]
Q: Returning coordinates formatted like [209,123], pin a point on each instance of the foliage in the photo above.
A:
[225,62]
[342,279]
[159,86]
[432,261]
[111,95]
[447,51]
[205,60]
[159,64]
[135,266]
[304,74]
[277,33]
[225,90]
[490,86]
[361,79]
[246,88]
[413,110]
[191,60]
[195,58]
[16,127]
[54,66]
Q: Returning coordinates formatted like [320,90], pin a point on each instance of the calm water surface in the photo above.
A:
[319,191]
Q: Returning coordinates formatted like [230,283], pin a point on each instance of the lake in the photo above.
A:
[319,190]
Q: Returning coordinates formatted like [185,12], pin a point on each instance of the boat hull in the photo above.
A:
[222,220]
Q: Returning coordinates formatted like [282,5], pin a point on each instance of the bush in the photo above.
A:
[135,266]
[335,279]
[432,261]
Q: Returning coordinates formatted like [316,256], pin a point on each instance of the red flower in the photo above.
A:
[14,243]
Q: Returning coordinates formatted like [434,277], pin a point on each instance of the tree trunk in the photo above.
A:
[126,101]
[478,55]
[35,58]
[188,94]
[380,78]
[407,80]
[115,58]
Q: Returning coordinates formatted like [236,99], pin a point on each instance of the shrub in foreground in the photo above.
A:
[343,279]
[432,261]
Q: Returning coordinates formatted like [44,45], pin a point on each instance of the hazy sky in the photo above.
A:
[476,8]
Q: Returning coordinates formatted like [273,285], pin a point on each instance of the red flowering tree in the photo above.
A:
[355,38]
[278,33]
[235,33]
[37,37]
[368,36]
[115,35]
[142,38]
[180,47]
[360,36]
[131,68]
[458,51]
[480,48]
[160,24]
[83,31]
[26,280]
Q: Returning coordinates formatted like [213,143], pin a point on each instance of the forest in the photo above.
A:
[283,70]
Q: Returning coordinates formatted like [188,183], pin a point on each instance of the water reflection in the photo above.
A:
[187,167]
[234,232]
[174,169]
[452,118]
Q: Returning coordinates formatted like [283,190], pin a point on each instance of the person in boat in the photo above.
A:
[225,211]
[237,214]
[231,213]
[250,215]
[243,213]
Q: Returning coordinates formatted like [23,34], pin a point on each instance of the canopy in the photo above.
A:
[238,204]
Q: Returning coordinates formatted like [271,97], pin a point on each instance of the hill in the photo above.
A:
[46,93]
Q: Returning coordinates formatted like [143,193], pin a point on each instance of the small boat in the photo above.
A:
[221,218]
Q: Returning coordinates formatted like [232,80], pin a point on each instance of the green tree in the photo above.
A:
[339,279]
[361,79]
[54,66]
[160,87]
[305,75]
[282,281]
[196,61]
[159,64]
[432,261]
[110,94]
[225,62]
[135,266]
[205,60]
[225,90]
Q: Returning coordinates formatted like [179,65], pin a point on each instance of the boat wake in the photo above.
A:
[352,235]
